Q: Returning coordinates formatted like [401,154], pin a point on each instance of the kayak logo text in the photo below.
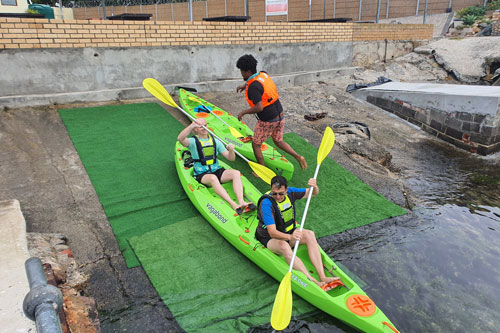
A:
[234,142]
[216,213]
[302,283]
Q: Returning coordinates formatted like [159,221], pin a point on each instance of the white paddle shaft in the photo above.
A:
[193,118]
[309,196]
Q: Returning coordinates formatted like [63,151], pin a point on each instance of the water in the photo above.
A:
[436,269]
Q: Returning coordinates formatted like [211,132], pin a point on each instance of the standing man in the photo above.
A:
[277,229]
[262,96]
[204,149]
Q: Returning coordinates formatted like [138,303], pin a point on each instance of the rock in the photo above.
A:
[81,312]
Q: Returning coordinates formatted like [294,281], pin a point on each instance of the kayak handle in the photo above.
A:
[390,326]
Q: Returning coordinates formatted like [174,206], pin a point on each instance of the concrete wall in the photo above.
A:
[20,7]
[52,71]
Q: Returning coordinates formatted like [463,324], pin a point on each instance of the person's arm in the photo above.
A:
[229,153]
[183,135]
[254,109]
[312,183]
[255,92]
[241,87]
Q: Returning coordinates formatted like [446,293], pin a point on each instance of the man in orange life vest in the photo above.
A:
[262,96]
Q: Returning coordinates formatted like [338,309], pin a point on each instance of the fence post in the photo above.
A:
[418,5]
[360,6]
[425,11]
[378,11]
[334,7]
[387,10]
[43,302]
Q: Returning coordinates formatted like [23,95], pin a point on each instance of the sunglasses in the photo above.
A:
[278,193]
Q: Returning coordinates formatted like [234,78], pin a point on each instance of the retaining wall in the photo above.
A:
[465,116]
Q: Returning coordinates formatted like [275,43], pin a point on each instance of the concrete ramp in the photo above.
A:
[464,115]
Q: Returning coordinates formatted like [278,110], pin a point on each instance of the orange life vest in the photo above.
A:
[270,95]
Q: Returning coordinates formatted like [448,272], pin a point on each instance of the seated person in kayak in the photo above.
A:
[204,148]
[278,229]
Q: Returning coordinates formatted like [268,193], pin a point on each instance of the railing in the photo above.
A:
[43,303]
[174,10]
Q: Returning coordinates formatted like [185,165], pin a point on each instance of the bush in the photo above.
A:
[493,5]
[32,11]
[476,11]
[469,20]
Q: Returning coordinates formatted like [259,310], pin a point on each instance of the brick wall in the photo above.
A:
[43,33]
[297,9]
[371,31]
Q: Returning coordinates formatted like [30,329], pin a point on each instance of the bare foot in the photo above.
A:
[320,284]
[330,279]
[302,162]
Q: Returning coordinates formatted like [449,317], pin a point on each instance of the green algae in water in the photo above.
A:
[482,179]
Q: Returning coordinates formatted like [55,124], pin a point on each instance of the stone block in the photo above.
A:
[478,118]
[438,115]
[457,134]
[430,130]
[453,122]
[471,127]
[465,116]
[422,117]
[488,130]
[408,111]
[436,125]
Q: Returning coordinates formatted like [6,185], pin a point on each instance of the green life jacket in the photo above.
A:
[207,151]
[284,214]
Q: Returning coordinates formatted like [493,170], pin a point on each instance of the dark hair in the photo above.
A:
[247,63]
[279,181]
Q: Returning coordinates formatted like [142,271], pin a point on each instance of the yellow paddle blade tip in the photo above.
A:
[282,308]
[326,145]
[262,171]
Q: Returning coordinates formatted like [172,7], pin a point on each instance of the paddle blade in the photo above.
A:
[282,308]
[263,172]
[326,144]
[235,133]
[158,91]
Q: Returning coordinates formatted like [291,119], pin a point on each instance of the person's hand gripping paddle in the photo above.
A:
[282,308]
[158,91]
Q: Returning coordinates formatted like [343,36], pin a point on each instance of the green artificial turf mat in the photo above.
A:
[205,282]
[344,202]
[127,151]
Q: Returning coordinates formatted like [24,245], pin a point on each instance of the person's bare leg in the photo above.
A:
[309,239]
[283,248]
[213,181]
[286,147]
[257,151]
[235,177]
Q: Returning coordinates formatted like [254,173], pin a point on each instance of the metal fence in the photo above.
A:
[372,10]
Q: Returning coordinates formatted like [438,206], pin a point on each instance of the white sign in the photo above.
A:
[276,7]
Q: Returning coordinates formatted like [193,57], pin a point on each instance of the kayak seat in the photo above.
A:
[187,158]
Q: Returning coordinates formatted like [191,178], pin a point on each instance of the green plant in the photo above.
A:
[493,5]
[476,11]
[469,20]
[32,11]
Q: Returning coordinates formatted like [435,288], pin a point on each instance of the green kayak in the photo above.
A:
[231,130]
[348,303]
